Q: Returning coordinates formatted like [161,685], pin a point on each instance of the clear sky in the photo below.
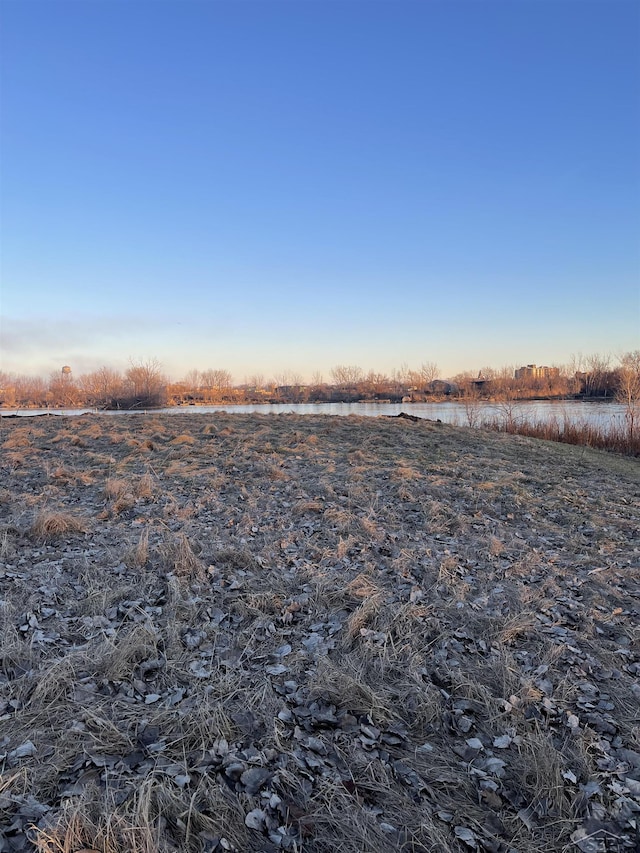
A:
[272,185]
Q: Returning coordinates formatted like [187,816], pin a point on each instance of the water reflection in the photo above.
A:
[456,413]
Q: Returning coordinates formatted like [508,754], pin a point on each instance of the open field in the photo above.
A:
[313,634]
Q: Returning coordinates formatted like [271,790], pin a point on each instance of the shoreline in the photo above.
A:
[439,401]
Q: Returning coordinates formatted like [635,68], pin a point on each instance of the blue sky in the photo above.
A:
[263,186]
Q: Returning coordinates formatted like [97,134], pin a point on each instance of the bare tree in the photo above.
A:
[147,382]
[255,381]
[417,379]
[192,380]
[376,383]
[462,381]
[217,379]
[101,387]
[216,383]
[628,390]
[503,391]
[472,404]
[598,379]
[31,391]
[576,363]
[346,375]
[401,377]
[287,378]
[429,372]
[64,391]
[7,389]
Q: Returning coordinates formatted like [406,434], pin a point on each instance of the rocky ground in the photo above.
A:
[308,633]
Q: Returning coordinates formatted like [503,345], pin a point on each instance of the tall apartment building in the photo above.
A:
[532,371]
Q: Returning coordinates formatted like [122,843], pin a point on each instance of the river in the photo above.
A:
[453,412]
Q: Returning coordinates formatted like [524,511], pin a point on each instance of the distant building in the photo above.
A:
[532,371]
[480,381]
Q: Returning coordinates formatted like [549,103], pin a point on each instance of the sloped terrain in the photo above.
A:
[306,633]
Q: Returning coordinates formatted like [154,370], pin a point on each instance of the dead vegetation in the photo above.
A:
[308,634]
[50,525]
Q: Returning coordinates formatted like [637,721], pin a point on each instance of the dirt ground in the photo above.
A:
[315,634]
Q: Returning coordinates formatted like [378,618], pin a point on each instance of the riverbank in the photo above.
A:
[602,425]
[256,403]
[253,633]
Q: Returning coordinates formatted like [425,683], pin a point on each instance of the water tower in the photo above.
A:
[66,373]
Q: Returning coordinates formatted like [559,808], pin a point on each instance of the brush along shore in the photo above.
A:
[304,633]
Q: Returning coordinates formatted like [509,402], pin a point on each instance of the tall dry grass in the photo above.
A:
[614,437]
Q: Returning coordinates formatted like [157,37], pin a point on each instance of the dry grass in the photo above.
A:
[363,616]
[19,438]
[616,437]
[49,526]
[180,558]
[139,555]
[91,826]
[416,631]
[116,488]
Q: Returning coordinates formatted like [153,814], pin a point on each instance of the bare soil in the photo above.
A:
[313,634]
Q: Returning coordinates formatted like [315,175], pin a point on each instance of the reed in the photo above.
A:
[614,437]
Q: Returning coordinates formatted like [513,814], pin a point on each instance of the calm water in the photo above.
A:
[603,414]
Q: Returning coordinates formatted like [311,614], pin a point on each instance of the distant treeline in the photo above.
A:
[145,385]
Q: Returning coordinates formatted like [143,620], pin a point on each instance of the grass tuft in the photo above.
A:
[49,526]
